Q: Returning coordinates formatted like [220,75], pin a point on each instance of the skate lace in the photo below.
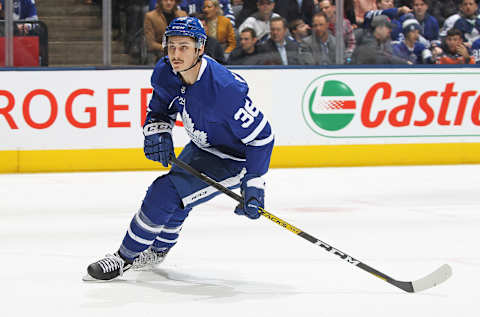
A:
[146,258]
[111,263]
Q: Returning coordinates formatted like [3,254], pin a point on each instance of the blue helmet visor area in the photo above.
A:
[199,42]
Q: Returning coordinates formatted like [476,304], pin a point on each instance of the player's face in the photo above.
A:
[182,52]
[209,9]
[168,5]
[277,31]
[419,7]
[452,42]
[385,4]
[469,7]
[319,25]
[247,41]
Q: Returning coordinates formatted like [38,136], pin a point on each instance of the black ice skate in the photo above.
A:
[110,267]
[149,257]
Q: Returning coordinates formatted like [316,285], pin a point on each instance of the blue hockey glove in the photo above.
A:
[158,144]
[253,193]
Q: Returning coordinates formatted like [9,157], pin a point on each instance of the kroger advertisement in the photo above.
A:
[105,109]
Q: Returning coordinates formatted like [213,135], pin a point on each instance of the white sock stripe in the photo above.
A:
[207,191]
[143,225]
[137,238]
[257,182]
[166,240]
[172,230]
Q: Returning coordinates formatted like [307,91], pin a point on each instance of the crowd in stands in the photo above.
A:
[302,32]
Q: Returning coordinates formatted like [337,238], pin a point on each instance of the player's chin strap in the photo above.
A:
[199,58]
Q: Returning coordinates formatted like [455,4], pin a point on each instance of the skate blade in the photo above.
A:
[88,278]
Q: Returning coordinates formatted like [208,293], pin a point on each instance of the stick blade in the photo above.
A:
[435,278]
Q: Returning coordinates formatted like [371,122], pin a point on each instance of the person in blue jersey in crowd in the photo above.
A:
[385,7]
[469,21]
[476,51]
[429,27]
[410,48]
[231,142]
[23,10]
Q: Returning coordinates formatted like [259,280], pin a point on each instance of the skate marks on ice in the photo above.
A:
[173,284]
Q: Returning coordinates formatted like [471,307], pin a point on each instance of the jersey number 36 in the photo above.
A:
[247,113]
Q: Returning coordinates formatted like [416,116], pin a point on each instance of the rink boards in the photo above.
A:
[79,120]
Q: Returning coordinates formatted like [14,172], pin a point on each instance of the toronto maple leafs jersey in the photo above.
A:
[216,111]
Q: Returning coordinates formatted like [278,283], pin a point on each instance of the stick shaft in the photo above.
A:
[406,286]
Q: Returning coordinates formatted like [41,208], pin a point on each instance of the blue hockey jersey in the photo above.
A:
[23,9]
[418,55]
[217,113]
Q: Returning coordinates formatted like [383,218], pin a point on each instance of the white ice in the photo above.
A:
[402,221]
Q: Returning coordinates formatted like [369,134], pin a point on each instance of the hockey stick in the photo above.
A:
[438,276]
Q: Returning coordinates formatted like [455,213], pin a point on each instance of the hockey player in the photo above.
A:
[231,142]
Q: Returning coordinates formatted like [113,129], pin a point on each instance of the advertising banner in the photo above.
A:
[309,109]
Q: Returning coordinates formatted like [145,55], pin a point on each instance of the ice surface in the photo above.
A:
[403,221]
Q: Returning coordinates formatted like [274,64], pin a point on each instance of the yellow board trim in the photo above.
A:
[30,161]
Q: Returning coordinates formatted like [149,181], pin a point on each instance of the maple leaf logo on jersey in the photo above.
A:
[198,137]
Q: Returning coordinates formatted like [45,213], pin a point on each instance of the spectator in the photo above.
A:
[293,9]
[23,10]
[349,12]
[376,45]
[319,48]
[476,51]
[260,20]
[247,52]
[326,7]
[429,27]
[468,22]
[249,7]
[410,49]
[156,22]
[219,27]
[212,47]
[443,9]
[135,11]
[196,6]
[361,7]
[280,49]
[237,6]
[385,7]
[454,51]
[298,30]
[452,19]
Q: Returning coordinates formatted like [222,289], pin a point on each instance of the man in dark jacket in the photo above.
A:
[376,47]
[247,52]
[318,48]
[280,49]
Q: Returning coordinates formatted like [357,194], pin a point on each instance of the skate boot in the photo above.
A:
[110,267]
[149,257]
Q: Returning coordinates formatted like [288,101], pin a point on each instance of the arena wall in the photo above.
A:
[90,120]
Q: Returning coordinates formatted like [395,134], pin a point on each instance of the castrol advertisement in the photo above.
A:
[372,116]
[393,106]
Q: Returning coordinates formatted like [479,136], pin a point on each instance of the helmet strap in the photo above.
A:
[199,57]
